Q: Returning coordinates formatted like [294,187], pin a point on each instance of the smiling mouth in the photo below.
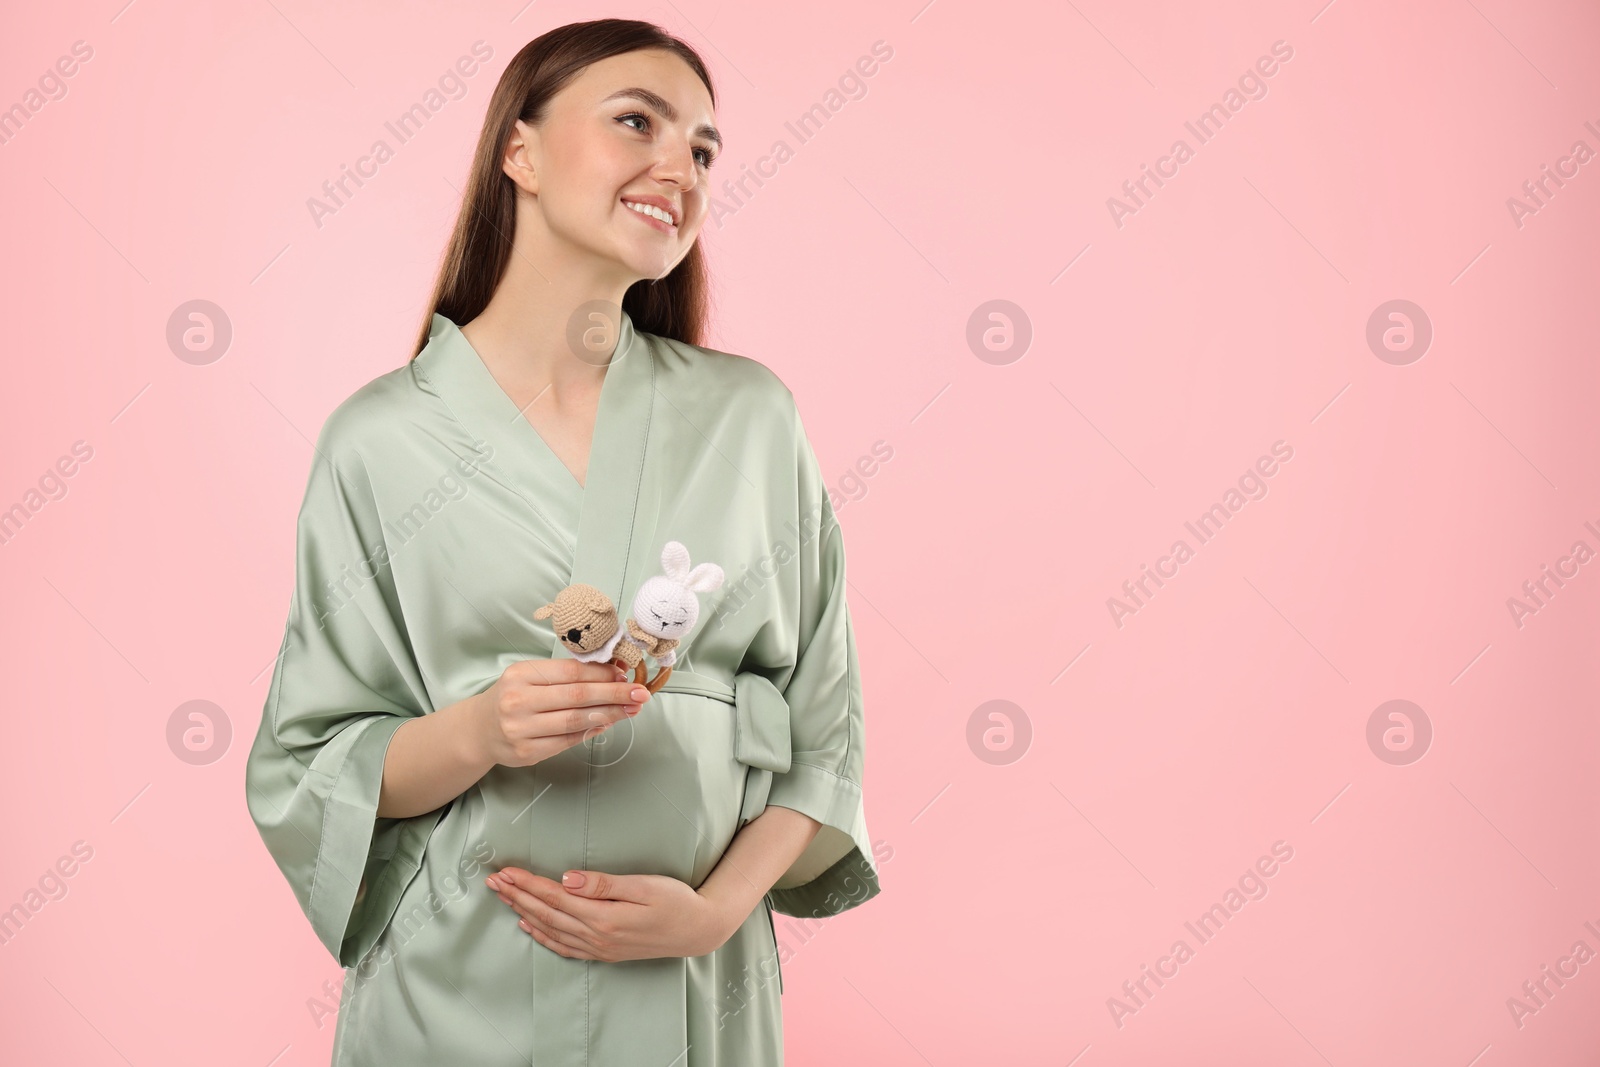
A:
[651,212]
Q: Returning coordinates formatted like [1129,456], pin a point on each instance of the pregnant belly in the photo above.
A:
[657,794]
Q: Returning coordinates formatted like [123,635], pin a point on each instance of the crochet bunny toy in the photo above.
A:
[666,608]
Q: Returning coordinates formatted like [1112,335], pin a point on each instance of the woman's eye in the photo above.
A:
[702,154]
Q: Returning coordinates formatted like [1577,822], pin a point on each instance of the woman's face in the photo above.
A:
[631,129]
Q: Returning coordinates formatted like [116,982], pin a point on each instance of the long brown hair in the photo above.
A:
[480,245]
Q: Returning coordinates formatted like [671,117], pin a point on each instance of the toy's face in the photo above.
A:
[668,620]
[585,629]
[583,638]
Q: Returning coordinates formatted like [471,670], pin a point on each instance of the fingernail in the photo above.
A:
[640,693]
[489,881]
[572,879]
[524,924]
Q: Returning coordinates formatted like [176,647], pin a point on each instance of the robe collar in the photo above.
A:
[613,549]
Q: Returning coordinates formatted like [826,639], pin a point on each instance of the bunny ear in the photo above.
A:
[675,560]
[705,577]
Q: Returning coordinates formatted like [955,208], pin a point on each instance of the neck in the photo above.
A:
[552,320]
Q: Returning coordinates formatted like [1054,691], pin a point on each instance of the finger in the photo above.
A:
[555,897]
[528,749]
[585,694]
[595,706]
[578,722]
[599,885]
[549,745]
[572,740]
[534,700]
[503,872]
[530,907]
[531,923]
[555,944]
[562,671]
[536,747]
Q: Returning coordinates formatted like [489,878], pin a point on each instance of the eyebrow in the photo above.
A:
[660,104]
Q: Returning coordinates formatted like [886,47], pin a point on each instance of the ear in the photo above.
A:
[704,577]
[517,160]
[545,612]
[675,561]
[599,603]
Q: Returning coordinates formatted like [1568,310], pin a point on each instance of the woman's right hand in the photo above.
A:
[541,707]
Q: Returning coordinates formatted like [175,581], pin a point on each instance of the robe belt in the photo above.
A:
[760,728]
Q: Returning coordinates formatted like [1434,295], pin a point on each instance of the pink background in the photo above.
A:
[1162,756]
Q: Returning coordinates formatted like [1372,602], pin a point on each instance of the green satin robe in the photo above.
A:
[435,521]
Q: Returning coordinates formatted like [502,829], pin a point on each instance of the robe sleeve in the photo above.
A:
[838,870]
[344,681]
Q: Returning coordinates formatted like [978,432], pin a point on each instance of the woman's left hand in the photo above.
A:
[614,917]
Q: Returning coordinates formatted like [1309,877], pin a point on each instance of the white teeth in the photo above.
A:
[653,212]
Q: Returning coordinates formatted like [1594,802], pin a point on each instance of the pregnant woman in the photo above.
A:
[520,857]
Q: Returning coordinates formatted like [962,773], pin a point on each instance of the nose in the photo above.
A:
[574,635]
[675,164]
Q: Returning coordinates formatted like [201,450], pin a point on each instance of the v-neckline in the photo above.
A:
[606,548]
[594,432]
[542,445]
